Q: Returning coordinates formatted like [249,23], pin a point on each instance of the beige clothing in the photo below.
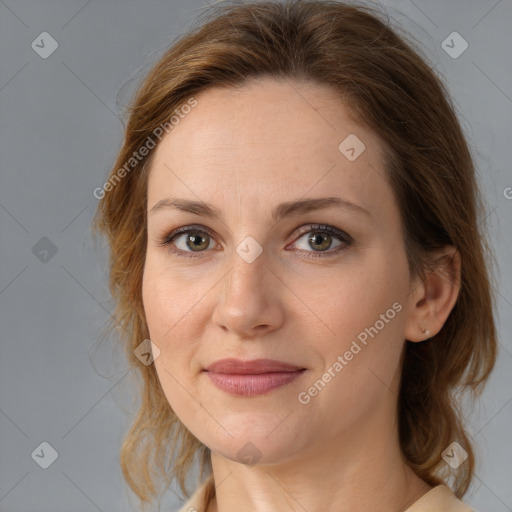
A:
[438,499]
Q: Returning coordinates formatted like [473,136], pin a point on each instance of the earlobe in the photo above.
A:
[434,298]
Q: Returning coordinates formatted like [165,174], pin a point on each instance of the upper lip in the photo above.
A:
[255,366]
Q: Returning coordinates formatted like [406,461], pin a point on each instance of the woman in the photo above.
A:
[298,267]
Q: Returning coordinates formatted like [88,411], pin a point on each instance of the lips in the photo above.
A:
[251,378]
[254,367]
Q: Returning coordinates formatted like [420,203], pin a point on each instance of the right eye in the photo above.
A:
[192,240]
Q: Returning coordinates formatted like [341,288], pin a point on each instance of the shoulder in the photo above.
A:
[440,499]
[198,501]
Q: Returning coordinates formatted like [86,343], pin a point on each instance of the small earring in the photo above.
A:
[426,331]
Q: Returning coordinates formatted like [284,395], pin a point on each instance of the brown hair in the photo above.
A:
[391,90]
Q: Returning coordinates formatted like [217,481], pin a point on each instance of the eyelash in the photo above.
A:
[346,240]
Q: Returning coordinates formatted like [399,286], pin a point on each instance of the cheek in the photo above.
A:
[157,303]
[365,314]
[166,306]
[168,298]
[177,313]
[355,299]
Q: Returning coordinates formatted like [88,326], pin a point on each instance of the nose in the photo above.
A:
[249,302]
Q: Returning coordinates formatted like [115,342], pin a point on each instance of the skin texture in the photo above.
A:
[245,151]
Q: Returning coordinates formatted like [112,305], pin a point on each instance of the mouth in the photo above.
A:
[251,378]
[253,367]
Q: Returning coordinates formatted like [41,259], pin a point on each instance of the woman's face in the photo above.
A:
[261,281]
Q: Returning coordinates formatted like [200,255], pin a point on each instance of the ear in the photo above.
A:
[432,300]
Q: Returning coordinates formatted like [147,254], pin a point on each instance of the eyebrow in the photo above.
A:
[281,211]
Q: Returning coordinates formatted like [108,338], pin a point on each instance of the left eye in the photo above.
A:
[321,239]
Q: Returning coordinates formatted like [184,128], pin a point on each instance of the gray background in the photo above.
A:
[60,132]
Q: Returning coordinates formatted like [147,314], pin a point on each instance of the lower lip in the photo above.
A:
[254,384]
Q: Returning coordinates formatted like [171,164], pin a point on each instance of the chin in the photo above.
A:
[249,447]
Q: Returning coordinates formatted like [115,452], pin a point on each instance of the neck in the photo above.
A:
[360,470]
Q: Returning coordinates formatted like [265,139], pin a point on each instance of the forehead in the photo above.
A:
[267,140]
